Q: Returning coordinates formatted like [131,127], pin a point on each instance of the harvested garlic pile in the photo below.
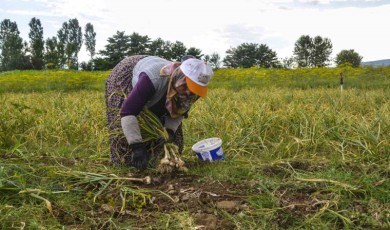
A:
[171,160]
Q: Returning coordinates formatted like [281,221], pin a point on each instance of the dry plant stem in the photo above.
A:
[146,180]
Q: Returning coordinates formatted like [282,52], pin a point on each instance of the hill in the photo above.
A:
[384,62]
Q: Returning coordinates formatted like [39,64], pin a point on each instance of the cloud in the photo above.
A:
[217,25]
[96,9]
[31,13]
[335,4]
[239,33]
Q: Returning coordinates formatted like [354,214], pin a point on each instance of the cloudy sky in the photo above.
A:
[217,25]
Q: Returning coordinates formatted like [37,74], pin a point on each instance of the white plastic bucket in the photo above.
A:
[209,149]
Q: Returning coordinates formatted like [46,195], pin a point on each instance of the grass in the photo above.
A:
[232,79]
[51,80]
[295,158]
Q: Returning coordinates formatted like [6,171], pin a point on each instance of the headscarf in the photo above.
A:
[176,104]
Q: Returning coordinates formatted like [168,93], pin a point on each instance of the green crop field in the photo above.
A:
[299,154]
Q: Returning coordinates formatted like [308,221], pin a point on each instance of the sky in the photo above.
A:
[218,25]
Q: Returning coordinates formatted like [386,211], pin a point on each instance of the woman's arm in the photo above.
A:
[141,93]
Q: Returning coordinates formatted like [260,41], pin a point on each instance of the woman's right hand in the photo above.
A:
[140,157]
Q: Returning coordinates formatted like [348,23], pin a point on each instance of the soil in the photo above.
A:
[206,201]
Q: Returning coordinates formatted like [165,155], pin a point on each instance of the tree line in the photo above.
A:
[56,52]
[61,51]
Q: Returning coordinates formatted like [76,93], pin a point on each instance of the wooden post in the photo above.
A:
[341,81]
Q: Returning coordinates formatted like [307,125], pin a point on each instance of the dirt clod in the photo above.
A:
[206,221]
[107,208]
[228,205]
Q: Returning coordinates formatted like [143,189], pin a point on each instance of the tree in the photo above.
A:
[348,56]
[70,41]
[167,47]
[230,60]
[90,43]
[157,48]
[138,44]
[176,51]
[52,57]
[248,55]
[206,58]
[90,39]
[245,55]
[11,45]
[312,52]
[102,64]
[215,60]
[302,50]
[322,49]
[62,35]
[26,58]
[266,57]
[197,53]
[36,44]
[287,62]
[116,49]
[74,43]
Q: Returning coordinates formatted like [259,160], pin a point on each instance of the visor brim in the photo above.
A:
[195,88]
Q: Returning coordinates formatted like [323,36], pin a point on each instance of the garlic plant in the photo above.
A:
[152,129]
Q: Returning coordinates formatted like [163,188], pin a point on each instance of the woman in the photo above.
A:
[166,88]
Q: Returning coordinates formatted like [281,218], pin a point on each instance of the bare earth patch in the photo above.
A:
[204,200]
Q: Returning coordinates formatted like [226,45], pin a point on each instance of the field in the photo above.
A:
[300,154]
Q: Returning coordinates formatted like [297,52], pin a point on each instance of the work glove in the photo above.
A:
[161,141]
[140,157]
[171,134]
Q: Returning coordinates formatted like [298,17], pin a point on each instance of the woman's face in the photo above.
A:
[182,89]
